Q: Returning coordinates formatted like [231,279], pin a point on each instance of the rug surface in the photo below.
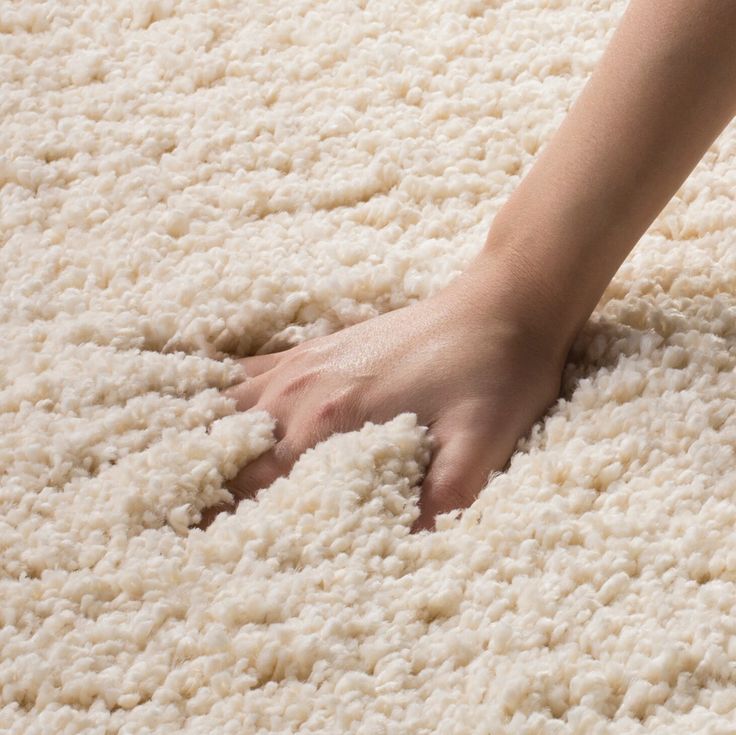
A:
[188,183]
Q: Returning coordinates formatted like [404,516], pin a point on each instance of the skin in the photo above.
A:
[662,91]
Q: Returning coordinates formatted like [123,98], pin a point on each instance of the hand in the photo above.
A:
[459,360]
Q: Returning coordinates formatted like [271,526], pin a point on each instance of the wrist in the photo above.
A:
[537,306]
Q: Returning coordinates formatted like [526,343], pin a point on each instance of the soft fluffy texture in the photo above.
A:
[184,184]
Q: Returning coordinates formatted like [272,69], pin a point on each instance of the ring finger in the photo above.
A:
[247,393]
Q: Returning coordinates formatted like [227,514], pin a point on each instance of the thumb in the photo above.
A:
[458,472]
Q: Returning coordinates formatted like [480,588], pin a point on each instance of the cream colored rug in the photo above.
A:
[186,183]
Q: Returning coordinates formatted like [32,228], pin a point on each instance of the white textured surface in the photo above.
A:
[185,181]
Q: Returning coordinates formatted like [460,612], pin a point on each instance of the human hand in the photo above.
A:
[460,360]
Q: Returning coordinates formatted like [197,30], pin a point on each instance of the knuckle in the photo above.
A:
[339,410]
[297,383]
[329,411]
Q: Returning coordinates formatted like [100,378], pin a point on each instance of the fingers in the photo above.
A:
[247,393]
[257,364]
[305,431]
[209,515]
[262,471]
[258,474]
[456,475]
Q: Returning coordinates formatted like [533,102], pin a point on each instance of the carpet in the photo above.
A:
[188,183]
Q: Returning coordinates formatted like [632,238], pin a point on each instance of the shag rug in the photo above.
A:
[188,183]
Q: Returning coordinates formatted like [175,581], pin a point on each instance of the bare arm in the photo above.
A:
[664,89]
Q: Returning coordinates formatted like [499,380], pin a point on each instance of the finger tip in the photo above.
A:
[421,524]
[232,487]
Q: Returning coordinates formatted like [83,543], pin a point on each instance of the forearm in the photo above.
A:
[663,90]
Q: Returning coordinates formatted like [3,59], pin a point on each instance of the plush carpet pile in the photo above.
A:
[188,183]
